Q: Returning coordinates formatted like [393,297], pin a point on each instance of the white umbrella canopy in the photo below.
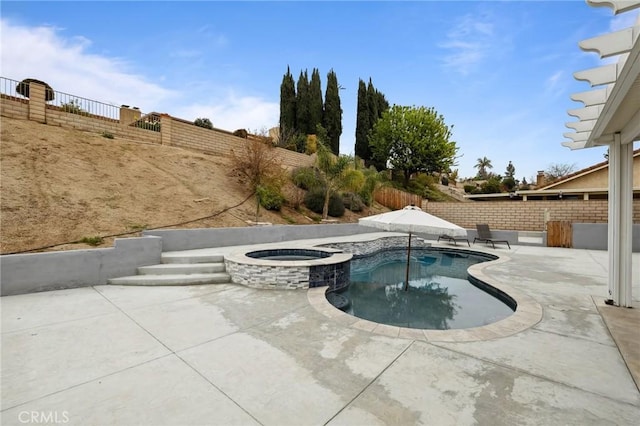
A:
[412,219]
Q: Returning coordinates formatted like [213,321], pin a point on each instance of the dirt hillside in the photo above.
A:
[60,185]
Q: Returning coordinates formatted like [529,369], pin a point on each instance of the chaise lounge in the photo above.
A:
[484,235]
[453,239]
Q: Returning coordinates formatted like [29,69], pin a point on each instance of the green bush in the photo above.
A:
[352,202]
[509,183]
[203,122]
[314,200]
[270,197]
[491,186]
[469,188]
[92,241]
[305,178]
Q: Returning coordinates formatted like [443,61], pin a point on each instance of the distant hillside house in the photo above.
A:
[591,183]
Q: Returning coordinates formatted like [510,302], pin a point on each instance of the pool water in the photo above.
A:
[440,295]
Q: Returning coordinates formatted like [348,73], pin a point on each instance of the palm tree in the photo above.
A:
[332,170]
[482,165]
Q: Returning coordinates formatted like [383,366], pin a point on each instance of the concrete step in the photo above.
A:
[181,268]
[194,258]
[173,279]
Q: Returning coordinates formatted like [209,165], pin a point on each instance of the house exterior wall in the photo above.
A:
[599,178]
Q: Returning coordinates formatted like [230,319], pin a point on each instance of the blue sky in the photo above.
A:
[499,72]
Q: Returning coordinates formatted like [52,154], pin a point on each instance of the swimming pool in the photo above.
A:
[441,294]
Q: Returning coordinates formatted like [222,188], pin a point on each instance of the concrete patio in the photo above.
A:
[227,354]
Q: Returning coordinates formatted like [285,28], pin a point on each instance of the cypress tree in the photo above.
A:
[287,105]
[302,105]
[332,118]
[372,103]
[315,100]
[362,149]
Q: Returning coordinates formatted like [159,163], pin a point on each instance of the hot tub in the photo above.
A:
[290,268]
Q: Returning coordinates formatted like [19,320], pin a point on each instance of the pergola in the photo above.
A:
[611,117]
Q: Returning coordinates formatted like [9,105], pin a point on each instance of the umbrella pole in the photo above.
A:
[406,281]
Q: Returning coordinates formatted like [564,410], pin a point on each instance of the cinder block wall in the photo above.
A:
[185,134]
[524,215]
[14,107]
[174,131]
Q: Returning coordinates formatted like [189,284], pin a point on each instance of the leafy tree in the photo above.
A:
[511,170]
[332,118]
[303,117]
[413,139]
[557,171]
[492,185]
[203,122]
[509,183]
[482,165]
[287,108]
[315,100]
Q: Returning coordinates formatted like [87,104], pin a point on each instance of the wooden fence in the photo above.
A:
[559,233]
[396,199]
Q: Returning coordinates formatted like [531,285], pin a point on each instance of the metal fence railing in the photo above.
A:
[149,121]
[9,89]
[83,106]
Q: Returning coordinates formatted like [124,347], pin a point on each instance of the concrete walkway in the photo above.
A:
[226,354]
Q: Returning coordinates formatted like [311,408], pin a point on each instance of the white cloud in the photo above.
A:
[469,43]
[66,64]
[233,112]
[553,83]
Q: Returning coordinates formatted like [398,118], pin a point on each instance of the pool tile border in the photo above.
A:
[528,313]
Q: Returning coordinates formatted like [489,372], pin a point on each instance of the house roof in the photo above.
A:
[583,172]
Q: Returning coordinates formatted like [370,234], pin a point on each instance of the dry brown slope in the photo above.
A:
[60,185]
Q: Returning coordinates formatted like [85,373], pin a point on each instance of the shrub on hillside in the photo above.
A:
[314,200]
[270,196]
[469,188]
[305,178]
[203,122]
[352,202]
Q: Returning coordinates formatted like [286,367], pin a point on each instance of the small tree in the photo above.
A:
[511,170]
[413,139]
[260,169]
[203,122]
[331,168]
[557,171]
[482,165]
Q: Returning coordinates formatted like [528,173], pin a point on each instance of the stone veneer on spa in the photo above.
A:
[330,267]
[333,270]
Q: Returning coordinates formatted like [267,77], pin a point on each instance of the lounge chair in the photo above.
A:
[453,239]
[484,234]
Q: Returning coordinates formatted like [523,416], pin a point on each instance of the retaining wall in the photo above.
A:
[28,273]
[188,239]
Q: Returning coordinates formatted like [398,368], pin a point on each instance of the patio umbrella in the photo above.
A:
[412,219]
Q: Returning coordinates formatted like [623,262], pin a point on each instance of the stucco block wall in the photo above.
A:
[174,131]
[185,134]
[524,215]
[14,107]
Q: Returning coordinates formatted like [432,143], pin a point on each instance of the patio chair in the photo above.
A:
[484,234]
[453,239]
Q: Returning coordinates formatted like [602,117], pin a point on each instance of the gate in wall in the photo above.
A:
[559,233]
